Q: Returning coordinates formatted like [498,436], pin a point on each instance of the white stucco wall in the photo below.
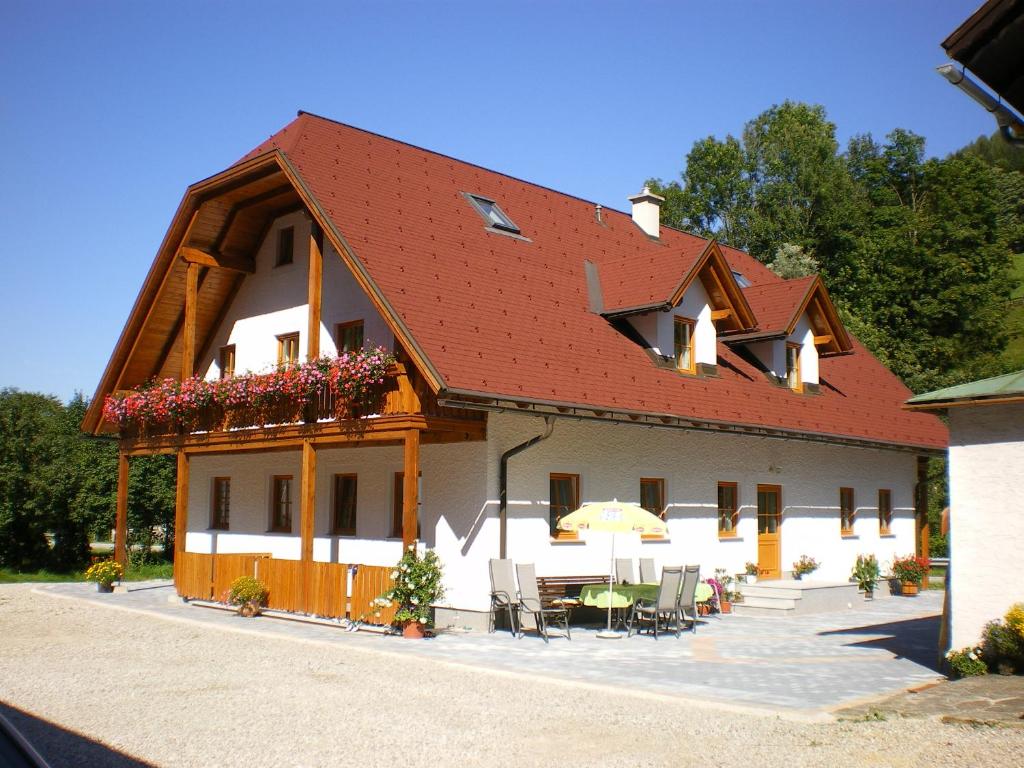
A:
[272,301]
[611,460]
[804,336]
[986,470]
[459,493]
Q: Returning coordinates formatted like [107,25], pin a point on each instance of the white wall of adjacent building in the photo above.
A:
[272,301]
[986,469]
[459,492]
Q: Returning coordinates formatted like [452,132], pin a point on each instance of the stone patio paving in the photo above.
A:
[806,666]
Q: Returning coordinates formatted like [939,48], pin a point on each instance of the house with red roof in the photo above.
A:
[352,344]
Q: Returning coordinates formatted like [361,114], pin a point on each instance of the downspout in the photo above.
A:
[549,423]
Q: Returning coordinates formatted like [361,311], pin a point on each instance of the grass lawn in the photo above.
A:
[140,573]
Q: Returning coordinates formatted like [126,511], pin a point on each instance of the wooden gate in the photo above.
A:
[369,583]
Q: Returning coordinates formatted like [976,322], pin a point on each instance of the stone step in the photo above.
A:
[788,597]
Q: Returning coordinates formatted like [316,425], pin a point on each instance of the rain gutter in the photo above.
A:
[549,425]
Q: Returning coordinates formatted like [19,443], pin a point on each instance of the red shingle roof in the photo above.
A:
[509,317]
[776,303]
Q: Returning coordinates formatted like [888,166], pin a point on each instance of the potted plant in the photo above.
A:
[248,594]
[910,571]
[750,577]
[804,566]
[416,585]
[105,573]
[866,573]
[724,582]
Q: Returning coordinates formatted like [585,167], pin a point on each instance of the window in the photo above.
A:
[741,279]
[288,350]
[847,512]
[793,380]
[684,345]
[227,361]
[344,520]
[492,213]
[348,337]
[728,506]
[220,510]
[652,495]
[285,246]
[884,511]
[281,504]
[564,498]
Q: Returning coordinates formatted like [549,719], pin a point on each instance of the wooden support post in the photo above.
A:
[921,506]
[314,292]
[188,336]
[121,520]
[410,488]
[307,512]
[180,515]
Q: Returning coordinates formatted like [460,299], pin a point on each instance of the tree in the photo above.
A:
[791,261]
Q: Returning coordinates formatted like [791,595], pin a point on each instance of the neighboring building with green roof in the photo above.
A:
[986,475]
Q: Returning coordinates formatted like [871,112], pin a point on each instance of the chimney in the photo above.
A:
[647,211]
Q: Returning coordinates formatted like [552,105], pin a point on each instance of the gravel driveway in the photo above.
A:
[148,691]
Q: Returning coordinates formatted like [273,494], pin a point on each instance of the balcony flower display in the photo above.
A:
[352,378]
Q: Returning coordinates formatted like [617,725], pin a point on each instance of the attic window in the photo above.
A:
[741,279]
[492,213]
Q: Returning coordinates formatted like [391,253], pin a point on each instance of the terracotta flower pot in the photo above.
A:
[412,630]
[908,588]
[726,606]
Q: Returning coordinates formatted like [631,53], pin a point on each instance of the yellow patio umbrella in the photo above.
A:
[613,517]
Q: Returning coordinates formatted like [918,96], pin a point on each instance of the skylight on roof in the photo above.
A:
[492,213]
[741,280]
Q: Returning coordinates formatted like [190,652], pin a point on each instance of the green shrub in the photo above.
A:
[1002,646]
[417,584]
[967,662]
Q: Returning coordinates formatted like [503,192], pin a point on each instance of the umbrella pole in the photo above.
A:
[608,634]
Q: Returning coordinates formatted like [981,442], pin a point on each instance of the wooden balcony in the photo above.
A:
[403,402]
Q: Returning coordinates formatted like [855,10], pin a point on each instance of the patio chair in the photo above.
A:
[688,596]
[504,596]
[663,611]
[624,573]
[648,573]
[532,613]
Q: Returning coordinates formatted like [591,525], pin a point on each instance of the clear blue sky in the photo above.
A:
[110,109]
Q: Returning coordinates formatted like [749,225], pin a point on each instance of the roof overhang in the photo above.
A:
[219,225]
[473,400]
[989,43]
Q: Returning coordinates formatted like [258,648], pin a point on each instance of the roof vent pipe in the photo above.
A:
[647,211]
[597,213]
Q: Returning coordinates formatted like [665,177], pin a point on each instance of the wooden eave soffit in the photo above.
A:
[216,260]
[830,337]
[729,305]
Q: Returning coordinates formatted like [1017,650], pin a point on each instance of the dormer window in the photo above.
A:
[492,214]
[793,378]
[683,345]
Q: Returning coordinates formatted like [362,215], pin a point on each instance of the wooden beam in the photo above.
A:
[410,490]
[826,339]
[188,342]
[216,260]
[180,514]
[314,290]
[121,518]
[307,512]
[720,314]
[921,507]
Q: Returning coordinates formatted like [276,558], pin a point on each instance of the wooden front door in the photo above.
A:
[769,531]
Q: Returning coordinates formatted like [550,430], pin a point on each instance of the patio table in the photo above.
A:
[623,595]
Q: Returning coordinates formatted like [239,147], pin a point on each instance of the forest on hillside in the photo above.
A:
[923,256]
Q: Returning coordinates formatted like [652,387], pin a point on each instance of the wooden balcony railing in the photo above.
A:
[208,577]
[401,393]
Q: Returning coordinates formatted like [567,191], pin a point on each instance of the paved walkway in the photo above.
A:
[802,666]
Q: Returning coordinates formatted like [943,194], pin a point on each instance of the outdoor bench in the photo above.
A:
[560,587]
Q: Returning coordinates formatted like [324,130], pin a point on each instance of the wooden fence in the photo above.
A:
[208,577]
